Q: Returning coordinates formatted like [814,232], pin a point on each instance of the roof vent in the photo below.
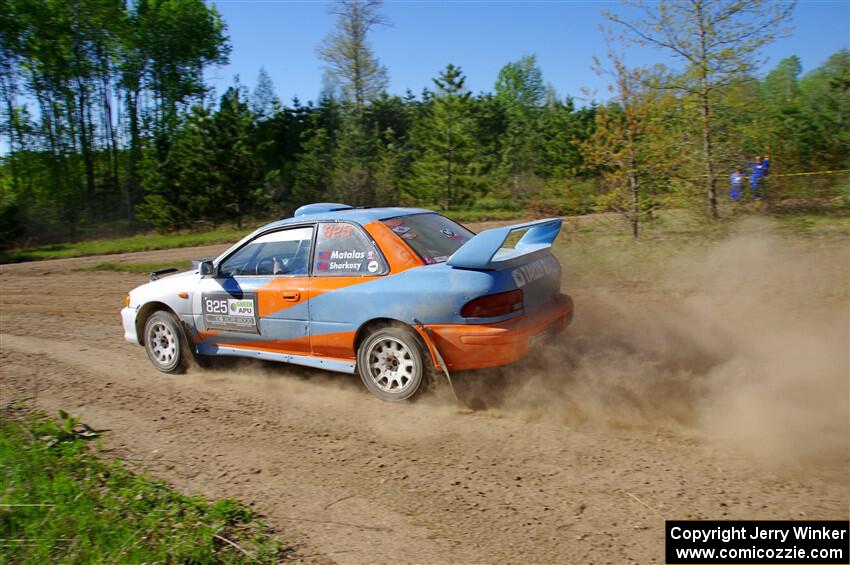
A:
[320,208]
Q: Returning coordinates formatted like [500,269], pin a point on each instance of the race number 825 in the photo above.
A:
[215,306]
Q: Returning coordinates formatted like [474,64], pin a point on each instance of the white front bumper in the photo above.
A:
[128,319]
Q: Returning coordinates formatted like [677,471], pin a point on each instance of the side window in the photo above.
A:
[343,250]
[284,252]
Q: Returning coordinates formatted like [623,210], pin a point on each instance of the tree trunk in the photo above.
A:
[705,84]
[131,180]
[634,187]
[710,181]
[86,141]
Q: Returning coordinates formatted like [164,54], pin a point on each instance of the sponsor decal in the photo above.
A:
[345,266]
[395,222]
[336,231]
[241,307]
[322,266]
[409,235]
[324,255]
[351,254]
[372,267]
[441,259]
[535,270]
[370,256]
[428,260]
[450,234]
[223,312]
[401,230]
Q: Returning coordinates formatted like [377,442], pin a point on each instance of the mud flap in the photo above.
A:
[428,336]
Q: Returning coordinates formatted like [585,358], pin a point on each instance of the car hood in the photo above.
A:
[164,287]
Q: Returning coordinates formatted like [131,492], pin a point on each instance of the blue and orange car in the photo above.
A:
[392,293]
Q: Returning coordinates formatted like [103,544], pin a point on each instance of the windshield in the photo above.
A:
[432,236]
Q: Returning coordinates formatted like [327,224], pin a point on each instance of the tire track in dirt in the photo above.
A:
[367,482]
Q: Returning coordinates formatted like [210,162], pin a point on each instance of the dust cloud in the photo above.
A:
[745,344]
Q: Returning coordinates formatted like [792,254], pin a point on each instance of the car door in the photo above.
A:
[345,258]
[258,298]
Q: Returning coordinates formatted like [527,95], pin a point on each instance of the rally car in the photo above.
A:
[392,293]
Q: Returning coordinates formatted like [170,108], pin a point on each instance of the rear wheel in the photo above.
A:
[392,363]
[165,343]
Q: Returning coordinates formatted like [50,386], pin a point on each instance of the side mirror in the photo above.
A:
[206,268]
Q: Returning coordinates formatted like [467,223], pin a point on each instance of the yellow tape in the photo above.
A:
[812,173]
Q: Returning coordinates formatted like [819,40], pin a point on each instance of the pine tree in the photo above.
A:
[314,171]
[354,161]
[627,146]
[445,170]
[239,191]
[351,62]
[264,101]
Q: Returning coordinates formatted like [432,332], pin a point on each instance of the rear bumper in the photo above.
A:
[477,346]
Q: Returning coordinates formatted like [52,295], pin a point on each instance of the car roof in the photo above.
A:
[362,216]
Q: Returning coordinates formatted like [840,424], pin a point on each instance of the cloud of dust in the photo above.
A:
[745,343]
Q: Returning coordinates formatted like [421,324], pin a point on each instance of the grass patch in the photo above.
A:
[134,267]
[667,225]
[149,242]
[99,512]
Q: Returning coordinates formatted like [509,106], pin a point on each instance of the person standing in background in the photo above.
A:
[736,183]
[760,169]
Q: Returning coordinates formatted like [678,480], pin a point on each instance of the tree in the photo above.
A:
[718,41]
[561,130]
[351,62]
[166,47]
[825,106]
[616,146]
[264,100]
[211,171]
[520,90]
[445,168]
[355,159]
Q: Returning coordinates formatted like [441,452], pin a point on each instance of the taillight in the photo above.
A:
[493,305]
[127,300]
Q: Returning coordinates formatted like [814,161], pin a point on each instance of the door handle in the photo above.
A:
[292,296]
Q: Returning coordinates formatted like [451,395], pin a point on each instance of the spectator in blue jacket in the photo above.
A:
[736,183]
[759,170]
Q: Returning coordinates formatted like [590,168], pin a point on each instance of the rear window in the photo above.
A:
[432,236]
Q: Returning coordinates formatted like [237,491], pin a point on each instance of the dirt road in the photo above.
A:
[350,479]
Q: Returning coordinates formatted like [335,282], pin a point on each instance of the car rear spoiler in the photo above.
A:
[484,252]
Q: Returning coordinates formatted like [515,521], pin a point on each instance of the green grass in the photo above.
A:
[135,267]
[132,244]
[99,512]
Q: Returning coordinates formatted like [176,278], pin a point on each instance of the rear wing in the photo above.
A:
[485,251]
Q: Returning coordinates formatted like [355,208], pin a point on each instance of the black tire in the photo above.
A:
[165,343]
[394,364]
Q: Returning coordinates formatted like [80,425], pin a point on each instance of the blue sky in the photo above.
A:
[480,36]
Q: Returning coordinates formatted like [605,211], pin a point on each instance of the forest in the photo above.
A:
[109,126]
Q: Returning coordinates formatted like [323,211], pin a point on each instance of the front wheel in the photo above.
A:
[164,343]
[392,363]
